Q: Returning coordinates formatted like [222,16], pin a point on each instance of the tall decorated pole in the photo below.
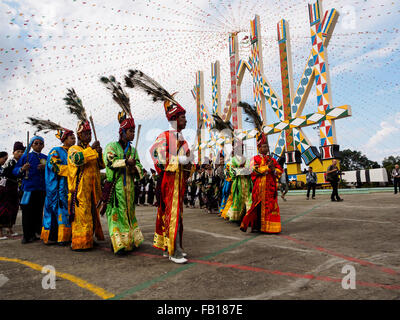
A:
[256,61]
[292,156]
[215,87]
[235,89]
[199,101]
[328,146]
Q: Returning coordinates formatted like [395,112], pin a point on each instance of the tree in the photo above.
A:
[355,160]
[389,162]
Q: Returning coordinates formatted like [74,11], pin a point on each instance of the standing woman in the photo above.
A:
[9,193]
[3,159]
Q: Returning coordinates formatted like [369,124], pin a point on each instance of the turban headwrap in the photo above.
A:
[31,142]
[173,110]
[83,126]
[262,139]
[63,134]
[125,122]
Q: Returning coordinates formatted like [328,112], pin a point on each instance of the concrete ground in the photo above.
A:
[319,238]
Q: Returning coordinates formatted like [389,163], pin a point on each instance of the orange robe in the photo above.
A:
[86,163]
[165,153]
[264,196]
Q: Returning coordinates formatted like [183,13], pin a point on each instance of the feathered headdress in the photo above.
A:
[137,78]
[125,117]
[220,124]
[47,125]
[75,106]
[254,118]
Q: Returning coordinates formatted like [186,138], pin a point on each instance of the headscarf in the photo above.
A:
[33,139]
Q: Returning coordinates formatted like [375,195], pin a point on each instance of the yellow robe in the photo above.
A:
[87,163]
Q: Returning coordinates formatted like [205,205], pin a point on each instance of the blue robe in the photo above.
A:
[226,189]
[56,225]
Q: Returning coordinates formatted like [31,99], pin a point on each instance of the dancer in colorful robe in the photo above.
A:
[239,172]
[264,213]
[171,156]
[123,167]
[56,225]
[84,165]
[224,128]
[226,191]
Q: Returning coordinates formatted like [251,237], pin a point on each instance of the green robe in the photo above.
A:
[122,223]
[241,189]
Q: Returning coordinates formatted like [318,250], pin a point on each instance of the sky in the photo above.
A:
[47,46]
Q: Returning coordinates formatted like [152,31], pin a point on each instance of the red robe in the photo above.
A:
[264,196]
[165,152]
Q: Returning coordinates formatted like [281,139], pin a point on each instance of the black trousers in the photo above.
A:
[150,197]
[142,198]
[193,190]
[309,187]
[396,182]
[32,215]
[335,193]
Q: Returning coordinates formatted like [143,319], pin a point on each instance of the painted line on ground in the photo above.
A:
[336,254]
[216,235]
[348,219]
[102,293]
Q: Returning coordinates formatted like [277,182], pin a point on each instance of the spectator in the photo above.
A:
[311,178]
[284,184]
[152,183]
[396,177]
[9,192]
[333,177]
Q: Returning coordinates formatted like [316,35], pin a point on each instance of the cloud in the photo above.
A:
[381,143]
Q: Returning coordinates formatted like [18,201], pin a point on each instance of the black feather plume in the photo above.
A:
[118,93]
[220,124]
[43,125]
[75,106]
[137,79]
[253,116]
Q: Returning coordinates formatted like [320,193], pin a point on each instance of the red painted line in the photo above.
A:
[267,271]
[359,261]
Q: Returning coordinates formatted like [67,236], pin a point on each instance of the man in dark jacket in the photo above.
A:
[333,177]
